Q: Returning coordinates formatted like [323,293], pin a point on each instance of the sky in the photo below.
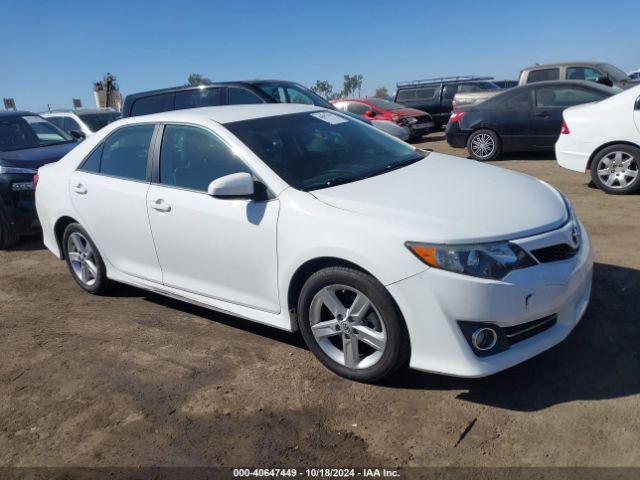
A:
[53,51]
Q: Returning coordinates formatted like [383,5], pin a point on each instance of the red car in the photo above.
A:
[418,122]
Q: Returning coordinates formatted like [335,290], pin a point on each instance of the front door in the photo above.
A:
[109,192]
[219,248]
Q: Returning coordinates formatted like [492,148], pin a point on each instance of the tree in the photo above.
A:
[324,89]
[381,92]
[352,83]
[196,79]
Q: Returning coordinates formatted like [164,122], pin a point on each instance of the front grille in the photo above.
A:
[517,333]
[554,253]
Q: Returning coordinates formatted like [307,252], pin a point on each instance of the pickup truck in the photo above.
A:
[435,95]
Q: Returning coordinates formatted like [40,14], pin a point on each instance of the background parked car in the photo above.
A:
[519,119]
[506,83]
[598,72]
[604,137]
[635,75]
[82,122]
[418,122]
[435,95]
[27,141]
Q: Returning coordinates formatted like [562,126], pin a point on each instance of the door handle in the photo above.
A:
[160,206]
[543,114]
[80,189]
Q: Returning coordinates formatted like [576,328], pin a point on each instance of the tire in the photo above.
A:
[7,237]
[616,169]
[484,145]
[84,260]
[379,324]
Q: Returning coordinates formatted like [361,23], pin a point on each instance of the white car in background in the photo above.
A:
[82,122]
[304,218]
[604,138]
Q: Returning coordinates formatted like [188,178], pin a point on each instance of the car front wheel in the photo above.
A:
[84,260]
[484,145]
[615,169]
[351,323]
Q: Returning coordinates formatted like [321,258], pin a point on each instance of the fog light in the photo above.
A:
[484,339]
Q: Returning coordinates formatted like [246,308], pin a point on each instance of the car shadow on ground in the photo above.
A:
[599,360]
[28,244]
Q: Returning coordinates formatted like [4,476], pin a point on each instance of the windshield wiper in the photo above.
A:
[392,166]
[334,182]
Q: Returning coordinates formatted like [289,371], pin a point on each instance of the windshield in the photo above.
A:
[30,131]
[322,149]
[614,73]
[384,104]
[293,93]
[95,121]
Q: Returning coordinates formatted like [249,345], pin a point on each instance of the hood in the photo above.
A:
[446,199]
[630,83]
[35,157]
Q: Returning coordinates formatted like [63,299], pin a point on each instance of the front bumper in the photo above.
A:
[17,203]
[455,137]
[434,301]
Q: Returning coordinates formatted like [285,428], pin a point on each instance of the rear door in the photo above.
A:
[109,192]
[550,101]
[513,119]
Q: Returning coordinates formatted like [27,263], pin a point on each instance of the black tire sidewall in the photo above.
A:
[101,285]
[397,350]
[496,141]
[633,187]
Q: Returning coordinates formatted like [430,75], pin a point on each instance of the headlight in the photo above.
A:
[485,260]
[4,170]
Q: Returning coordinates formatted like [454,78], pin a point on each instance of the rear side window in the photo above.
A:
[518,101]
[451,90]
[417,94]
[152,104]
[583,73]
[543,75]
[242,96]
[565,96]
[92,162]
[206,97]
[358,108]
[192,158]
[125,153]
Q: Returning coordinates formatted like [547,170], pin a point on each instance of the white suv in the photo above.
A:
[303,218]
[82,122]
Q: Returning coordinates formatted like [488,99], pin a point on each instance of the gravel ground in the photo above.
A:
[138,379]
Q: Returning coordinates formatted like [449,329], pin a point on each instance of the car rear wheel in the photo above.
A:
[84,260]
[484,145]
[616,169]
[351,323]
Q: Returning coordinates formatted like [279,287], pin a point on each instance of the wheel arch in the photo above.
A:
[606,145]
[60,226]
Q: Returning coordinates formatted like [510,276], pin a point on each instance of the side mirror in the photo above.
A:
[234,185]
[604,80]
[370,113]
[79,134]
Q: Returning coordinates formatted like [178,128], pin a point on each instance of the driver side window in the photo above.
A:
[192,158]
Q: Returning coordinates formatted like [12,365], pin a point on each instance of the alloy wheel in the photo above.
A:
[483,145]
[82,259]
[618,169]
[347,326]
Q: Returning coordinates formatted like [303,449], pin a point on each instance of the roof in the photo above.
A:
[562,64]
[19,113]
[227,113]
[81,110]
[581,83]
[181,88]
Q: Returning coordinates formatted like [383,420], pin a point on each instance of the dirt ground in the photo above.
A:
[138,379]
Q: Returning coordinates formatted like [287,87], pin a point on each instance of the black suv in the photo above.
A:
[222,93]
[27,142]
[435,95]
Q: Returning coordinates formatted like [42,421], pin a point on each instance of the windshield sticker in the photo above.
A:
[330,118]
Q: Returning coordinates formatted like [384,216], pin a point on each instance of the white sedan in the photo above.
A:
[604,138]
[302,218]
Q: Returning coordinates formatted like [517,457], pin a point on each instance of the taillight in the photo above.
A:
[456,116]
[565,130]
[36,177]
